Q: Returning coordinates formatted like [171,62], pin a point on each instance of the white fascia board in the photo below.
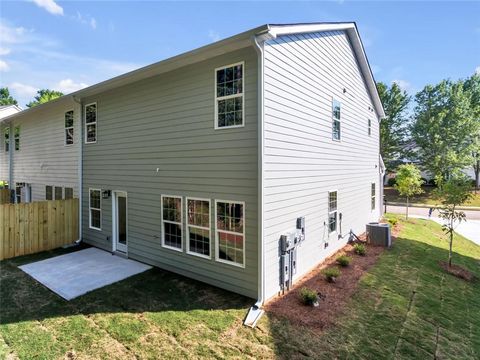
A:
[278,30]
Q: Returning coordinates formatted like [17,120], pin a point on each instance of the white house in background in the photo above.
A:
[5,111]
[207,164]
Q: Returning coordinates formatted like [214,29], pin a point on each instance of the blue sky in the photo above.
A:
[67,45]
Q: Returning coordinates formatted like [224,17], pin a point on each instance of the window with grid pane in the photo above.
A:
[16,135]
[69,127]
[198,226]
[172,222]
[95,209]
[229,96]
[336,114]
[332,211]
[373,196]
[6,136]
[230,232]
[91,123]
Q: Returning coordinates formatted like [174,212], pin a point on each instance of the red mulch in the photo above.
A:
[457,271]
[335,295]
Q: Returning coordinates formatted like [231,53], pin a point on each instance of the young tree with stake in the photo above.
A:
[408,182]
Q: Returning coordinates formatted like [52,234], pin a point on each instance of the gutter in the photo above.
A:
[80,172]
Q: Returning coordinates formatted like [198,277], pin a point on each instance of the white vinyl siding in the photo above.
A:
[198,227]
[95,209]
[91,123]
[172,224]
[229,99]
[230,232]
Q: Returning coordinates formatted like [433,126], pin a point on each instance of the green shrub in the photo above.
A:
[344,260]
[308,296]
[360,249]
[392,221]
[331,274]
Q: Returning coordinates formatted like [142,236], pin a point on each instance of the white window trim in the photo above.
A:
[217,247]
[334,119]
[330,212]
[373,198]
[216,127]
[85,122]
[199,227]
[172,222]
[90,208]
[65,128]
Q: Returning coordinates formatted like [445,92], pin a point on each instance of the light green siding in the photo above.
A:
[167,123]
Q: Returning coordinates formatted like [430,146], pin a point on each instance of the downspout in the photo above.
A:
[80,172]
[256,311]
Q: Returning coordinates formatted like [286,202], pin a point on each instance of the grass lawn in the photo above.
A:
[406,307]
[426,198]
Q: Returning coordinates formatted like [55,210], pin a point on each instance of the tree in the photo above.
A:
[6,98]
[472,87]
[453,192]
[444,128]
[408,182]
[393,128]
[43,96]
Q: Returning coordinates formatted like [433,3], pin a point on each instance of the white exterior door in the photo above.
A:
[120,227]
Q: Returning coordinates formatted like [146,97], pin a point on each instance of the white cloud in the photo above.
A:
[50,5]
[4,66]
[4,51]
[23,89]
[93,23]
[213,35]
[477,70]
[67,86]
[403,84]
[86,20]
[12,35]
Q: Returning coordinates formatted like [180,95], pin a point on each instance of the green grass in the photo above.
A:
[426,197]
[406,307]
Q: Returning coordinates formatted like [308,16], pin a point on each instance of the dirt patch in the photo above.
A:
[457,271]
[334,296]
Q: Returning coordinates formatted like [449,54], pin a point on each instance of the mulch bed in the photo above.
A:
[334,296]
[457,271]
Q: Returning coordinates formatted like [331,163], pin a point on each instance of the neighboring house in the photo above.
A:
[5,111]
[200,163]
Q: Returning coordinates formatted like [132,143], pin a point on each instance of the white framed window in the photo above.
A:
[369,127]
[6,138]
[69,128]
[229,99]
[230,232]
[332,211]
[48,192]
[336,115]
[16,134]
[373,195]
[172,224]
[198,226]
[91,123]
[95,209]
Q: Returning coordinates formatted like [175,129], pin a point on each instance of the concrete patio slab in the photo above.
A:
[77,273]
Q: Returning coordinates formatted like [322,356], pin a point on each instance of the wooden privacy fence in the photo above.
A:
[4,196]
[38,226]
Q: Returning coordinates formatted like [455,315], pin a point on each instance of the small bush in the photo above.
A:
[344,260]
[308,296]
[360,249]
[331,274]
[392,221]
[391,182]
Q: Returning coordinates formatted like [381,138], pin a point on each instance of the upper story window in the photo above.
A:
[198,227]
[332,211]
[69,127]
[6,137]
[172,222]
[230,232]
[95,209]
[91,123]
[373,196]
[16,134]
[369,127]
[336,114]
[229,101]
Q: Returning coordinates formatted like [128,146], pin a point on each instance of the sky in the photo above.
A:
[68,45]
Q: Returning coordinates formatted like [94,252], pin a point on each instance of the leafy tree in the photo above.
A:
[393,128]
[408,182]
[43,96]
[444,128]
[453,192]
[6,98]
[472,87]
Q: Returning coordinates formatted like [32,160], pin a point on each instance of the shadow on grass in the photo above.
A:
[406,306]
[22,298]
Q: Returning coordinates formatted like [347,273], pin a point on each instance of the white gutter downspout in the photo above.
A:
[80,172]
[256,311]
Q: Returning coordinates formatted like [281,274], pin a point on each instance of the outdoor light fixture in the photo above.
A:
[106,194]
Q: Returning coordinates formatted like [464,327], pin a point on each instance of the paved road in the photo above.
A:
[469,229]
